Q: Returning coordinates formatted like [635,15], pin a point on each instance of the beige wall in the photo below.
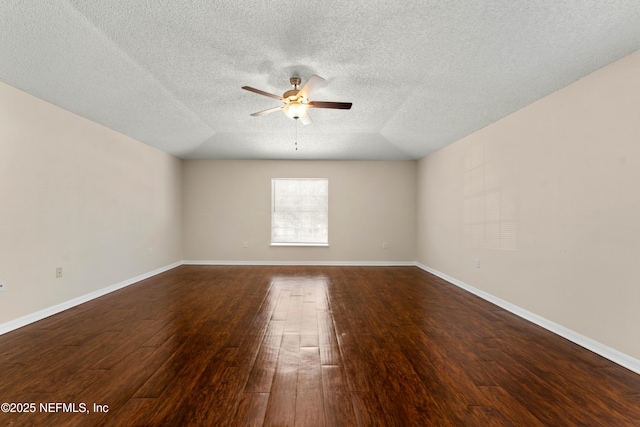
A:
[227,203]
[76,195]
[549,200]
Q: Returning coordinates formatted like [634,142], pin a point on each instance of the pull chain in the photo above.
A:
[296,135]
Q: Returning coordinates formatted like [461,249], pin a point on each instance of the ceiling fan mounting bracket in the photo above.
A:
[295,82]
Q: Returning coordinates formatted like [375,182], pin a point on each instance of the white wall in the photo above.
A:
[549,200]
[228,202]
[76,195]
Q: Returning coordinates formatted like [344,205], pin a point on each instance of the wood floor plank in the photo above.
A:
[251,410]
[293,322]
[309,325]
[281,406]
[338,407]
[264,368]
[327,341]
[309,409]
[134,412]
[511,409]
[306,345]
[131,372]
[368,411]
[16,346]
[145,329]
[254,326]
[217,398]
[188,359]
[282,305]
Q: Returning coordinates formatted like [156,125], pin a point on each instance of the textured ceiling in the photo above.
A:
[420,74]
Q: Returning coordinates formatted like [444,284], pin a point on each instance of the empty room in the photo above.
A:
[245,213]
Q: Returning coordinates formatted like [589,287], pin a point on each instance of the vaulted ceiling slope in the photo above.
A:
[421,73]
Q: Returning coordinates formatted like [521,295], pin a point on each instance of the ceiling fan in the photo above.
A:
[296,101]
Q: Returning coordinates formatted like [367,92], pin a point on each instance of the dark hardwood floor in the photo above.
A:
[304,346]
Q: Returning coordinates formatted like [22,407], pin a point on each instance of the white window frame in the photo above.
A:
[280,241]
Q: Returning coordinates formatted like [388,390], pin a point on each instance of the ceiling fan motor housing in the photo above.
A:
[290,95]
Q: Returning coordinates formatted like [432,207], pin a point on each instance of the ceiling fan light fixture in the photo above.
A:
[296,110]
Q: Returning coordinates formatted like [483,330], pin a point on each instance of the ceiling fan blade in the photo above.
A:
[305,119]
[311,85]
[270,110]
[335,105]
[261,92]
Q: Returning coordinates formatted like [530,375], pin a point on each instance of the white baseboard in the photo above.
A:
[326,263]
[50,311]
[586,342]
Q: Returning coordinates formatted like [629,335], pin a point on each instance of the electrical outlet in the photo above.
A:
[2,285]
[385,245]
[245,244]
[58,272]
[150,251]
[477,263]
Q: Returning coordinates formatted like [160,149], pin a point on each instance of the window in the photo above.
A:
[300,212]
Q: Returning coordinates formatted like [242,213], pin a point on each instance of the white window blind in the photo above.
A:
[300,211]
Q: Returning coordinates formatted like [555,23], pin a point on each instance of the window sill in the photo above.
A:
[301,244]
